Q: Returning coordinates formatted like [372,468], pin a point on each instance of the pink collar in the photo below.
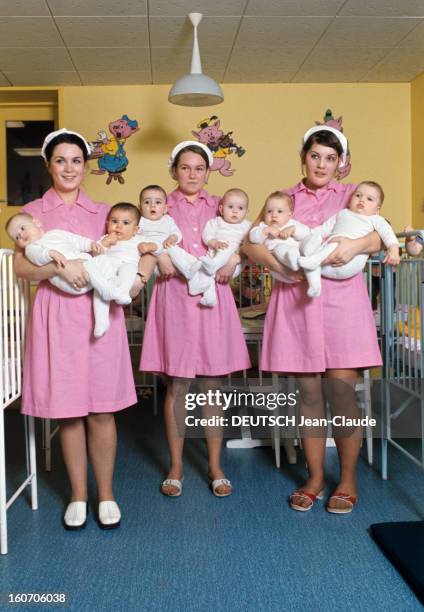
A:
[52,200]
[202,195]
[332,185]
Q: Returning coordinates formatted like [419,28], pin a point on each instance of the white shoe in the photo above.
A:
[75,516]
[109,516]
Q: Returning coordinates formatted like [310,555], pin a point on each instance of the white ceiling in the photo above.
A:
[103,42]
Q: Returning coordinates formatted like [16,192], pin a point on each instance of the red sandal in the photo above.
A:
[351,500]
[301,494]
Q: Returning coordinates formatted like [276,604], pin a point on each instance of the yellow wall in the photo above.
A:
[268,121]
[417,129]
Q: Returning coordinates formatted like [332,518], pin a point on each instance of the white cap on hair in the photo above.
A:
[337,133]
[52,135]
[188,143]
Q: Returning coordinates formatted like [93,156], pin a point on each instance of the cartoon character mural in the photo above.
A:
[110,152]
[336,123]
[222,145]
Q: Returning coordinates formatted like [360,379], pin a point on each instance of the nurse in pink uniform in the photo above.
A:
[68,374]
[332,336]
[182,338]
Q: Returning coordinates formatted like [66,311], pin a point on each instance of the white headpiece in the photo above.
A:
[52,135]
[337,133]
[188,143]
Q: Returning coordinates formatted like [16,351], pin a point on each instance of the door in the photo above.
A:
[22,173]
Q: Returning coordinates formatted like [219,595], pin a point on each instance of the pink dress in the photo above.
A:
[68,372]
[183,338]
[335,330]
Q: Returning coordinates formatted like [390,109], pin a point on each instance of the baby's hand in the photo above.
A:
[287,232]
[109,240]
[147,247]
[392,256]
[170,241]
[58,258]
[413,247]
[217,245]
[96,248]
[272,232]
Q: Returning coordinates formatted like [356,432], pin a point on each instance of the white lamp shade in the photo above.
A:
[196,90]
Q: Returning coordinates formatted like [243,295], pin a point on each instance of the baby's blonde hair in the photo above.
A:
[238,192]
[13,217]
[281,196]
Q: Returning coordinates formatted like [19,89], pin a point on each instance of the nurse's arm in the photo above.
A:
[348,248]
[74,272]
[260,255]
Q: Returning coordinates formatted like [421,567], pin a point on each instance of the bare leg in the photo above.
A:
[348,446]
[74,448]
[175,431]
[146,265]
[313,439]
[214,437]
[101,434]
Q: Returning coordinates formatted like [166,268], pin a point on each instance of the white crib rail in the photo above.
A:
[14,301]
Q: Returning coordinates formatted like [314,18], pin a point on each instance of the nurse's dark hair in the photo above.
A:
[324,138]
[193,149]
[65,139]
[377,187]
[153,188]
[125,207]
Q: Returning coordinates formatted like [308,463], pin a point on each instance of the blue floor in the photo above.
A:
[248,552]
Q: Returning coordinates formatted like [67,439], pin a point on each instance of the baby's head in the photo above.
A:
[24,229]
[278,209]
[122,220]
[233,205]
[153,202]
[367,199]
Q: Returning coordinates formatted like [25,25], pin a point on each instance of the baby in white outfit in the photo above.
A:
[112,272]
[223,236]
[159,232]
[280,233]
[359,219]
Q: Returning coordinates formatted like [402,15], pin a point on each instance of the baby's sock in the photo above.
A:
[193,269]
[199,283]
[311,262]
[123,300]
[314,282]
[208,264]
[185,263]
[209,296]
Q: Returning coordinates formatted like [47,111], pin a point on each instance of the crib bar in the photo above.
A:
[403,350]
[14,300]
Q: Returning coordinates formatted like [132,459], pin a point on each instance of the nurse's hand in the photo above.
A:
[166,267]
[293,275]
[345,251]
[74,273]
[284,274]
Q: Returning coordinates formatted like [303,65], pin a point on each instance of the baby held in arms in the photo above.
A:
[278,231]
[359,219]
[112,272]
[223,236]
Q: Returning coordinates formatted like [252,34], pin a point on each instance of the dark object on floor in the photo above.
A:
[403,543]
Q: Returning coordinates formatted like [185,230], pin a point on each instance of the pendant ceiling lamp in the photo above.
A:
[196,89]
